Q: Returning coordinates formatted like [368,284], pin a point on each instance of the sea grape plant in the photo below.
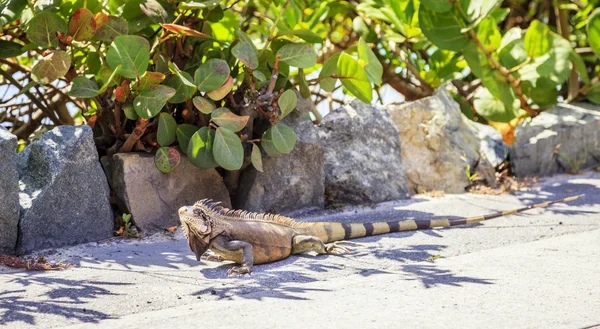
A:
[150,75]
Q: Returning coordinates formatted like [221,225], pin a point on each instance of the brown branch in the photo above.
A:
[135,136]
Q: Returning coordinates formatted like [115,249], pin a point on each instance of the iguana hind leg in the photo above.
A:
[237,251]
[304,243]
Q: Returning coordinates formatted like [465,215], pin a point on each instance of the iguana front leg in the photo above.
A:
[234,250]
[304,243]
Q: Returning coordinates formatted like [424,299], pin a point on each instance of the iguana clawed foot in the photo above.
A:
[214,258]
[244,269]
[334,248]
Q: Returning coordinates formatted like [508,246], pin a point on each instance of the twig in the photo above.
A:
[135,136]
[271,36]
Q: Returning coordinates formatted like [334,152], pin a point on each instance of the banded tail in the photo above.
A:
[333,231]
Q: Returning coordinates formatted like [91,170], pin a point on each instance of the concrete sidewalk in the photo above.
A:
[536,270]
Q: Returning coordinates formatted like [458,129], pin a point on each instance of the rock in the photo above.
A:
[289,182]
[153,198]
[292,181]
[565,138]
[9,192]
[491,146]
[64,193]
[439,144]
[363,161]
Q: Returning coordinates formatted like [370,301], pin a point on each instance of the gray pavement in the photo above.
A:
[536,270]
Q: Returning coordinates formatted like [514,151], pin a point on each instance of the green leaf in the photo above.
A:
[538,41]
[200,149]
[226,119]
[593,94]
[267,144]
[299,55]
[211,75]
[10,49]
[114,27]
[330,68]
[199,4]
[155,11]
[593,31]
[184,88]
[150,101]
[133,52]
[129,111]
[11,10]
[166,129]
[438,6]
[93,62]
[82,87]
[284,138]
[488,33]
[150,79]
[580,66]
[354,78]
[371,64]
[43,28]
[203,105]
[167,159]
[110,79]
[287,102]
[228,150]
[51,67]
[442,29]
[304,34]
[492,108]
[82,25]
[246,53]
[184,134]
[220,93]
[512,48]
[256,158]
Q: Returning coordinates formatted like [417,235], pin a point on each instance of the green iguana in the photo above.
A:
[249,238]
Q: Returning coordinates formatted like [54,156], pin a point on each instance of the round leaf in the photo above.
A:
[129,111]
[203,105]
[211,75]
[166,159]
[166,129]
[492,108]
[83,87]
[256,158]
[226,119]
[51,67]
[82,25]
[228,150]
[284,138]
[371,65]
[330,68]
[132,51]
[354,78]
[183,91]
[150,101]
[442,29]
[10,49]
[184,134]
[43,27]
[287,102]
[267,144]
[200,149]
[593,31]
[299,55]
[438,6]
[222,91]
[114,27]
[246,53]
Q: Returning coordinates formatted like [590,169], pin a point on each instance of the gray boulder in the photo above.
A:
[491,146]
[64,193]
[439,144]
[9,191]
[363,162]
[153,198]
[292,181]
[565,138]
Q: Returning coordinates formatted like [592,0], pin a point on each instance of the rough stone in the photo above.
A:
[153,198]
[439,144]
[9,191]
[492,146]
[363,161]
[565,138]
[64,193]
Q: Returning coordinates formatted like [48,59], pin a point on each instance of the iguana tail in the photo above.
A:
[333,231]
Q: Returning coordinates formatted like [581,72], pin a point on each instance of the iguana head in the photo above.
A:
[198,226]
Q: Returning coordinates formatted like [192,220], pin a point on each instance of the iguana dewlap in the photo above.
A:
[253,238]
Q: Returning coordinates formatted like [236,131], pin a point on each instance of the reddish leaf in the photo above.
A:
[150,79]
[180,29]
[101,19]
[222,91]
[82,25]
[120,94]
